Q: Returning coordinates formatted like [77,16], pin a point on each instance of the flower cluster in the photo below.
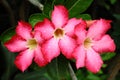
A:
[75,38]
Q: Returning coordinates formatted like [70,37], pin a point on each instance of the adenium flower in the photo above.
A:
[28,43]
[58,33]
[91,43]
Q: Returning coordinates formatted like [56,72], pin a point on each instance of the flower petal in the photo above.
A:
[16,44]
[50,49]
[69,28]
[59,16]
[39,58]
[46,28]
[79,55]
[90,22]
[93,61]
[24,30]
[105,44]
[67,46]
[99,28]
[80,32]
[37,36]
[24,60]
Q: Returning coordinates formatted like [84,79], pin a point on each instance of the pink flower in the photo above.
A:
[28,43]
[91,43]
[58,33]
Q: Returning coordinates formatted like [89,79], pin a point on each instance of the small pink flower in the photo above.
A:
[28,43]
[58,33]
[91,43]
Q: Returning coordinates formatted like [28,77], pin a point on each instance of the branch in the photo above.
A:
[114,68]
[37,3]
[72,72]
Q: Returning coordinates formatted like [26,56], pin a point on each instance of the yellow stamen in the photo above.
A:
[87,43]
[58,33]
[32,44]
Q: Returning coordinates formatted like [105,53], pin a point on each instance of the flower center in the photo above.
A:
[58,33]
[87,43]
[32,44]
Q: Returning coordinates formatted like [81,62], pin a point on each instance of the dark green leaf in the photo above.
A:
[116,31]
[107,56]
[76,7]
[48,7]
[117,16]
[59,2]
[7,34]
[8,60]
[63,67]
[93,77]
[34,18]
[97,76]
[58,69]
[113,1]
[80,74]
[84,16]
[69,3]
[36,75]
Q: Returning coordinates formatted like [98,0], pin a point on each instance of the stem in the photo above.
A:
[57,69]
[72,72]
[114,67]
[37,3]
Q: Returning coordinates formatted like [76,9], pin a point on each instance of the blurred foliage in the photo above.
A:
[58,69]
[34,18]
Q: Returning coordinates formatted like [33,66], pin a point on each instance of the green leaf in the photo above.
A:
[34,18]
[58,68]
[36,75]
[5,36]
[62,67]
[84,16]
[8,60]
[59,2]
[77,6]
[93,77]
[48,7]
[116,30]
[81,74]
[69,3]
[113,1]
[117,16]
[107,56]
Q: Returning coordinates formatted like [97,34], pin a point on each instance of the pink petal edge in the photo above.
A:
[46,28]
[69,27]
[24,29]
[98,29]
[39,58]
[93,61]
[16,44]
[59,16]
[80,32]
[38,37]
[50,49]
[105,44]
[24,60]
[67,46]
[79,55]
